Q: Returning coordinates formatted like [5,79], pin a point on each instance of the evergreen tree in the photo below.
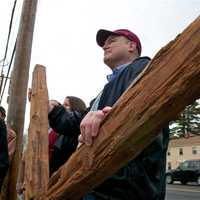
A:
[188,121]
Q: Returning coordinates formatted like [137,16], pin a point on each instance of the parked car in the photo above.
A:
[188,171]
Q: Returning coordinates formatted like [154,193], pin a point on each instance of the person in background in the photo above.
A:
[143,177]
[61,147]
[64,146]
[52,136]
[4,157]
[72,103]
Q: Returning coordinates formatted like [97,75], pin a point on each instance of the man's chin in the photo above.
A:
[107,58]
[108,62]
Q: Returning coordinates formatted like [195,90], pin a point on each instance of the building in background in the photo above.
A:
[181,149]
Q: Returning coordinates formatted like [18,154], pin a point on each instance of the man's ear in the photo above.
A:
[132,46]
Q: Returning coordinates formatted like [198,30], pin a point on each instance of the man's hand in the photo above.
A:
[90,125]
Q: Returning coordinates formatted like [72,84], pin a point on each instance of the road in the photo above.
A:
[183,192]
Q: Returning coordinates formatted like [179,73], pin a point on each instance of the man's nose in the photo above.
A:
[105,46]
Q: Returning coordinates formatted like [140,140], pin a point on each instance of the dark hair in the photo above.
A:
[76,104]
[3,111]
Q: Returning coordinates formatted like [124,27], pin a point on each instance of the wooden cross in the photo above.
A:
[171,82]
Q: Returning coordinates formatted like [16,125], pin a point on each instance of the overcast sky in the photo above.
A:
[65,36]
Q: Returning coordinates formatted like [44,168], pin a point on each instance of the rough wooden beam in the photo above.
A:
[37,160]
[171,82]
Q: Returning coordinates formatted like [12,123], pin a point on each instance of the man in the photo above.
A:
[4,158]
[144,177]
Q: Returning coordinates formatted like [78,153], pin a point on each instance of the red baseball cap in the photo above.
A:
[103,34]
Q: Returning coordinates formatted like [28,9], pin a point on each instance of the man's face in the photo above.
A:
[117,50]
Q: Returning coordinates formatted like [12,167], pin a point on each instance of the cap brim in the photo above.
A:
[102,36]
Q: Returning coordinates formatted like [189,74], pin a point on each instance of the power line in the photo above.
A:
[3,82]
[8,38]
[7,76]
[4,64]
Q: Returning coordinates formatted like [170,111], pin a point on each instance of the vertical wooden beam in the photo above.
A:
[37,160]
[18,89]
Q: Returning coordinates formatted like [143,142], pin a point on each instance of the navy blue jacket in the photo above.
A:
[144,177]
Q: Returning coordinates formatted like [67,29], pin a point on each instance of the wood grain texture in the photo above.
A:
[171,82]
[37,160]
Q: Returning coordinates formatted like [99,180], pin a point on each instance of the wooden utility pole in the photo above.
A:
[37,160]
[171,82]
[18,89]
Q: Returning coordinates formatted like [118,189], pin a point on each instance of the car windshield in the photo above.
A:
[184,165]
[189,165]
